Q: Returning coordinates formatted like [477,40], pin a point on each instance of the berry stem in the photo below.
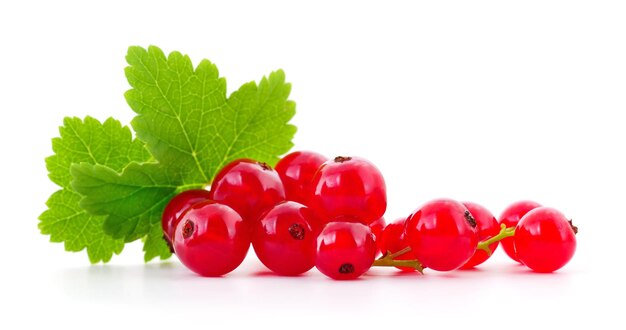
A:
[189,187]
[388,261]
[504,233]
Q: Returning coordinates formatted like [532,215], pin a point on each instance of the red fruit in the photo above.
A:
[285,238]
[296,170]
[442,234]
[394,240]
[510,217]
[349,187]
[487,227]
[377,228]
[211,239]
[249,187]
[177,206]
[545,240]
[345,250]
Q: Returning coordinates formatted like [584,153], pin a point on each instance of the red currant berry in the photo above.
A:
[211,239]
[285,238]
[177,205]
[350,187]
[510,217]
[442,234]
[345,250]
[487,227]
[296,170]
[394,240]
[249,187]
[377,228]
[545,240]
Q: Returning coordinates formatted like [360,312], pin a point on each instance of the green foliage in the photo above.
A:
[187,129]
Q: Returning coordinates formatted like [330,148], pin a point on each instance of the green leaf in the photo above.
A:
[91,142]
[259,128]
[133,201]
[188,123]
[192,129]
[155,246]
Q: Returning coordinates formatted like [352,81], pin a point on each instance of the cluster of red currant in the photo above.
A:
[311,211]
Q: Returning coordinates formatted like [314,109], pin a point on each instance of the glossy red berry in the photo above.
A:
[249,187]
[176,206]
[545,240]
[377,228]
[442,234]
[394,240]
[211,239]
[285,238]
[349,187]
[510,217]
[296,170]
[345,250]
[487,227]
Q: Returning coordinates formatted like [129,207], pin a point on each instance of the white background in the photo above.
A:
[487,101]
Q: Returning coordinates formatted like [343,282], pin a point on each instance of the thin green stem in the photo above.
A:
[504,233]
[388,261]
[182,188]
[397,254]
